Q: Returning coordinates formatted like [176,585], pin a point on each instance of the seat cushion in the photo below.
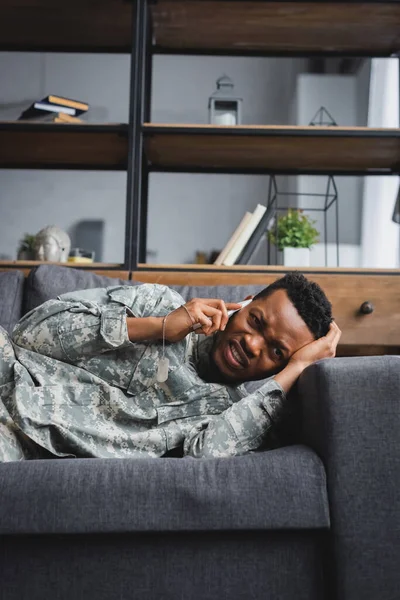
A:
[11,293]
[49,281]
[280,489]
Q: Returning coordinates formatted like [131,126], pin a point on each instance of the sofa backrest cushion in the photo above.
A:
[11,294]
[49,281]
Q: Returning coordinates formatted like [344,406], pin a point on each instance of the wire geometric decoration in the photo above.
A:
[323,118]
[329,199]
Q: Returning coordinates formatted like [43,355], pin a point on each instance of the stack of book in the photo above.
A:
[55,109]
[246,238]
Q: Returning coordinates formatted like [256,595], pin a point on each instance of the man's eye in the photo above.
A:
[278,353]
[256,320]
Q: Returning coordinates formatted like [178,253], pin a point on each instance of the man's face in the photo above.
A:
[259,339]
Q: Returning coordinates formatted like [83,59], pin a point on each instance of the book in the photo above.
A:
[256,237]
[233,254]
[46,117]
[39,108]
[62,101]
[55,104]
[221,256]
[63,118]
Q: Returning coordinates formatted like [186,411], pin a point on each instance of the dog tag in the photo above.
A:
[162,371]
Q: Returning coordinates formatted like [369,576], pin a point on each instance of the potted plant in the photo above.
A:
[26,248]
[294,234]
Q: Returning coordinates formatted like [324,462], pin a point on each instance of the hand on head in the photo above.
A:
[324,347]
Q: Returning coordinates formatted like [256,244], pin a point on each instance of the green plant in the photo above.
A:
[27,243]
[26,248]
[294,230]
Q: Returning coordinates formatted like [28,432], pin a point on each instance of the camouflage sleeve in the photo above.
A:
[241,428]
[90,322]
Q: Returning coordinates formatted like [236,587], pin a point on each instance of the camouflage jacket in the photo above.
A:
[72,384]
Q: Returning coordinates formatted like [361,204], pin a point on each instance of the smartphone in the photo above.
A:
[244,303]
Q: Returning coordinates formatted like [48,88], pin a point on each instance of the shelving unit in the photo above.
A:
[203,27]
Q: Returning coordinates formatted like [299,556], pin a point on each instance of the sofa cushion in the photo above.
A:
[11,293]
[279,489]
[49,281]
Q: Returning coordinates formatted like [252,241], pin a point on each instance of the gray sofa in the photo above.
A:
[317,518]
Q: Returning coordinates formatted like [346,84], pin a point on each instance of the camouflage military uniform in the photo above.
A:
[73,385]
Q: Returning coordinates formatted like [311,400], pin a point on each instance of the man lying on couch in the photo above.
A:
[123,372]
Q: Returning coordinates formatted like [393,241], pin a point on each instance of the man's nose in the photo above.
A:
[253,345]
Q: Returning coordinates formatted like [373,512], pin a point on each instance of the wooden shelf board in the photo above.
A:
[60,146]
[277,27]
[76,25]
[205,26]
[357,150]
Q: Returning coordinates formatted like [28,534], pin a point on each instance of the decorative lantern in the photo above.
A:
[224,107]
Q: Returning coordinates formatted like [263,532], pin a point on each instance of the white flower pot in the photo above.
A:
[296,257]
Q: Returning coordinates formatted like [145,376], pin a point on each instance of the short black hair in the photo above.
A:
[307,297]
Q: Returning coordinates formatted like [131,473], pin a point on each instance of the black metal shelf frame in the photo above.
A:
[139,111]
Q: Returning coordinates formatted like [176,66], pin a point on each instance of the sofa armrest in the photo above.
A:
[351,417]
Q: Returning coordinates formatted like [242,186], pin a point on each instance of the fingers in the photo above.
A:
[334,332]
[338,334]
[204,324]
[332,339]
[210,313]
[215,302]
[217,317]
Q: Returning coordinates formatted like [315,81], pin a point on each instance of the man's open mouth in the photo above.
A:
[235,356]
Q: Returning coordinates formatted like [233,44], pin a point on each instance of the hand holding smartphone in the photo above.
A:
[230,312]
